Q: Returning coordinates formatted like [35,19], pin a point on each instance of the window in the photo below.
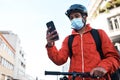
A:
[114,22]
[7,64]
[0,42]
[0,59]
[110,23]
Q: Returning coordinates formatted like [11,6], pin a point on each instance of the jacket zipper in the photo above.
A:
[82,54]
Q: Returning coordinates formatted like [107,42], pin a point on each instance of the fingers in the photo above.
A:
[50,37]
[98,72]
[48,31]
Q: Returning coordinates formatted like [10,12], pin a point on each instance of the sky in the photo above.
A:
[27,19]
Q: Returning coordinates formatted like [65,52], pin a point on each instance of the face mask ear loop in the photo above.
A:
[83,19]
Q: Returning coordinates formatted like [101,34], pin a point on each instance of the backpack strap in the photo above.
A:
[70,41]
[96,37]
[97,40]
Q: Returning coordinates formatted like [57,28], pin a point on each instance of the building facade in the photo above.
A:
[18,72]
[7,59]
[105,14]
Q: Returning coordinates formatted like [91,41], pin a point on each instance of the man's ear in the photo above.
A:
[85,17]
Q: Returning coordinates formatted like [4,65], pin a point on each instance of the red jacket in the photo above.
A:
[85,56]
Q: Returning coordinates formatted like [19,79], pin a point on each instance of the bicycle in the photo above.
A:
[73,74]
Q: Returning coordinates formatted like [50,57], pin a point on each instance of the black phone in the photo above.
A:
[51,24]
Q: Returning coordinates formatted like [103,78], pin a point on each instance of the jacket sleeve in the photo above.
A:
[111,62]
[60,56]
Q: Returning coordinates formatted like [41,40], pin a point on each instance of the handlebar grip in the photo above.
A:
[52,73]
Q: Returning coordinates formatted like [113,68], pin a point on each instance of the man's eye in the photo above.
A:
[77,16]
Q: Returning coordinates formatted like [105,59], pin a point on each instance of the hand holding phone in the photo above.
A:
[51,27]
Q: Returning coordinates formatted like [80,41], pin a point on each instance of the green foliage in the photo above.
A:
[117,3]
[110,5]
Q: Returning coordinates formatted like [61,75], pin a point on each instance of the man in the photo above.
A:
[85,56]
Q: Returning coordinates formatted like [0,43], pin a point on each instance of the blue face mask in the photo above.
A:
[77,23]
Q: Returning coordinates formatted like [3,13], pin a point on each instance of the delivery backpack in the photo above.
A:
[96,37]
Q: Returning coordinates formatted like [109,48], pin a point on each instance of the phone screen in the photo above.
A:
[51,24]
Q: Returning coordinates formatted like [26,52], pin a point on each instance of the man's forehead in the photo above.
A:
[75,13]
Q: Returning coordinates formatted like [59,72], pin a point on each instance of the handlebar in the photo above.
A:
[74,74]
